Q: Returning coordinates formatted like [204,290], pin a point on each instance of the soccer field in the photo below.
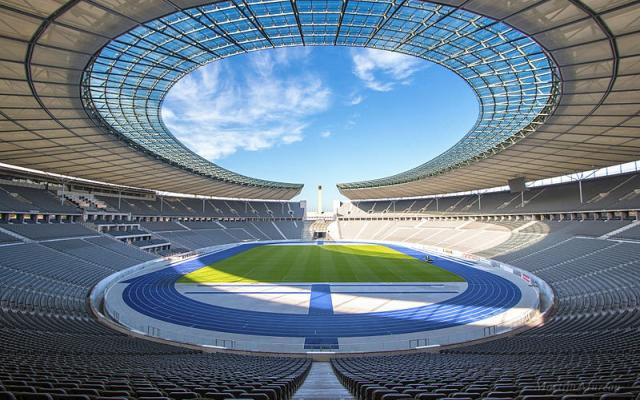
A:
[326,263]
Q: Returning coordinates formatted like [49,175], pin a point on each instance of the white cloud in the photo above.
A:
[223,143]
[381,70]
[326,134]
[356,99]
[218,111]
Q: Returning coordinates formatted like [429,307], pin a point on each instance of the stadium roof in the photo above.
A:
[82,83]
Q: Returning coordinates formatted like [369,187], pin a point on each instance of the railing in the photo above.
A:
[475,334]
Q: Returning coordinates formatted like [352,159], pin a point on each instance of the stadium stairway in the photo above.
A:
[322,384]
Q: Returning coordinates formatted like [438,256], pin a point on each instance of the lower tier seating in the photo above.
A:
[492,376]
[588,349]
[51,348]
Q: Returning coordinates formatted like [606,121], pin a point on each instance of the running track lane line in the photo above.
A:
[155,295]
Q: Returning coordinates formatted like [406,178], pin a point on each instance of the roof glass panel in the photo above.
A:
[124,85]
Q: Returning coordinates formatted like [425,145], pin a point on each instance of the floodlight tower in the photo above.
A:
[320,199]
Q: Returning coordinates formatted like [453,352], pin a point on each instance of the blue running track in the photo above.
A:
[156,296]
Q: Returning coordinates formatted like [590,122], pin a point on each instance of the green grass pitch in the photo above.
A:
[326,263]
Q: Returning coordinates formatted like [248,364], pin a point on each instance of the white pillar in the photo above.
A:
[580,187]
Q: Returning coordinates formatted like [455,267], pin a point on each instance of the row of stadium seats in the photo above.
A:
[40,199]
[188,207]
[607,193]
[49,231]
[27,199]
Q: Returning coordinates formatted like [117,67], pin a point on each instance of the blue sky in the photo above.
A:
[320,115]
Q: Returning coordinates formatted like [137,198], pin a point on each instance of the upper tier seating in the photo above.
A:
[29,199]
[49,231]
[132,206]
[607,193]
[188,207]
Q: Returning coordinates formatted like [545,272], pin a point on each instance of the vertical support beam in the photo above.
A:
[580,188]
[62,196]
